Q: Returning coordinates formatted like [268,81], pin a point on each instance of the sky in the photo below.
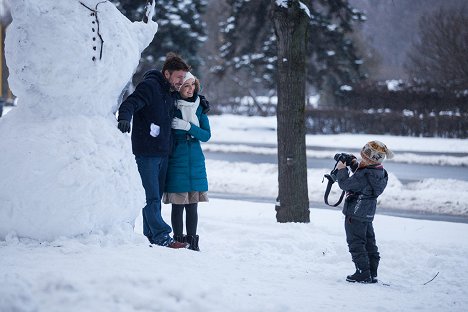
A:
[70,200]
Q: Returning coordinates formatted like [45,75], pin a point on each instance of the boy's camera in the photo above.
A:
[346,158]
[350,161]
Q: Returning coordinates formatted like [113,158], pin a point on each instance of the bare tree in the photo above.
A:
[440,54]
[290,24]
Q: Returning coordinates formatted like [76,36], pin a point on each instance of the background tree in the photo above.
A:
[181,30]
[250,43]
[440,54]
[290,25]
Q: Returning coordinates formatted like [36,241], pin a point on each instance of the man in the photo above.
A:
[152,107]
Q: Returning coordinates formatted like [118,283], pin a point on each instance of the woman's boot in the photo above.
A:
[193,241]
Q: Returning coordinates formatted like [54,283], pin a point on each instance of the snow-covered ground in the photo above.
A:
[248,262]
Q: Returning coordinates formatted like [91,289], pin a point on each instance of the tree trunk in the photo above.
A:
[291,31]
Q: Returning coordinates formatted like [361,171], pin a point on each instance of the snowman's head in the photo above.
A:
[73,51]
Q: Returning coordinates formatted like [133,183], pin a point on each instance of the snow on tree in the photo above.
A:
[250,42]
[181,30]
[66,169]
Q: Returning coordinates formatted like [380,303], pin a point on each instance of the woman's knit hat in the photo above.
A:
[188,76]
[375,152]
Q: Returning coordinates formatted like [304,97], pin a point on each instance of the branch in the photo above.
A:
[149,11]
[262,111]
[431,279]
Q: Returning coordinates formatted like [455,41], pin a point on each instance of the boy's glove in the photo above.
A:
[354,165]
[340,165]
[180,124]
[124,126]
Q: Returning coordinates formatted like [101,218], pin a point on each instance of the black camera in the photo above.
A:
[346,158]
[350,161]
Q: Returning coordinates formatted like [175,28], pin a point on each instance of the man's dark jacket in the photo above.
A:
[151,102]
[362,188]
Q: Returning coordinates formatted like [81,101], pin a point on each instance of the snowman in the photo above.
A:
[65,169]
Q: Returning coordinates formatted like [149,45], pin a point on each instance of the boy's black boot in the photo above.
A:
[360,276]
[193,241]
[373,265]
[373,274]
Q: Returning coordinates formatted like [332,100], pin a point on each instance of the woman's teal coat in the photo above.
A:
[186,171]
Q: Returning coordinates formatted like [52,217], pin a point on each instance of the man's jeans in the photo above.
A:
[153,175]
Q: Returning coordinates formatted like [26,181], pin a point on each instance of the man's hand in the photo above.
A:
[180,124]
[124,126]
[340,165]
[205,104]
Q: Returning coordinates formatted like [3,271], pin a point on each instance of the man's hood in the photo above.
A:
[158,76]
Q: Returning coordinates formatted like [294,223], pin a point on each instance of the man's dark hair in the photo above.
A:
[174,62]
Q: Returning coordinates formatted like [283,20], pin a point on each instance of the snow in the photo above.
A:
[346,88]
[286,4]
[70,230]
[394,85]
[234,129]
[304,8]
[248,262]
[232,134]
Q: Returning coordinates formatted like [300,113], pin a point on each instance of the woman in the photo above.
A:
[186,182]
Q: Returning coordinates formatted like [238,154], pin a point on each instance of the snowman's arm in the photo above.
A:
[149,11]
[142,96]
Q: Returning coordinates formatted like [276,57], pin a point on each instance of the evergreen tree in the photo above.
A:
[181,30]
[250,42]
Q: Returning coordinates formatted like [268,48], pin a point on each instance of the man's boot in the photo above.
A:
[193,241]
[177,245]
[179,238]
[178,241]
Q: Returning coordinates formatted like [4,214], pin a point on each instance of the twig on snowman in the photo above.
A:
[95,14]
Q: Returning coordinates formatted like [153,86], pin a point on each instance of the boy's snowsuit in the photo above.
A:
[362,188]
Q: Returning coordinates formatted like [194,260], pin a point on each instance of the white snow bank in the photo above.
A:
[430,195]
[243,129]
[410,158]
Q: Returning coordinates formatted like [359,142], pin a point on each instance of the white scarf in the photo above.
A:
[188,110]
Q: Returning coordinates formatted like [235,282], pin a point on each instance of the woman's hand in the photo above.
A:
[180,124]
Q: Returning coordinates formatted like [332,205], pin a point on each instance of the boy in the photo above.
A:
[363,188]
